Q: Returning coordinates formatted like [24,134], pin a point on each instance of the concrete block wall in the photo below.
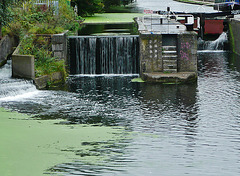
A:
[59,46]
[150,53]
[187,52]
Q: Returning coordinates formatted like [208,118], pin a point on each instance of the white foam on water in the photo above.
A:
[215,45]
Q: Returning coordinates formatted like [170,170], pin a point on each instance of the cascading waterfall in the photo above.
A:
[12,89]
[217,44]
[104,54]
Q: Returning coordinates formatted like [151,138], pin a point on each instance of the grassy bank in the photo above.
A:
[112,18]
[31,147]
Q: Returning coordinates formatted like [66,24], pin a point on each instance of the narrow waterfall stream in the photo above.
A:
[217,45]
[12,89]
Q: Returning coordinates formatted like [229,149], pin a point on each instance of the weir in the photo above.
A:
[104,54]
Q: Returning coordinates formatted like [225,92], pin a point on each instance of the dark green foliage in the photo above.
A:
[33,19]
[88,7]
[109,3]
[4,13]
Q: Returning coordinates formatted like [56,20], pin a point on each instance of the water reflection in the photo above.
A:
[234,62]
[212,63]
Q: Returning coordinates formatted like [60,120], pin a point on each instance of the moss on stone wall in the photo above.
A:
[231,38]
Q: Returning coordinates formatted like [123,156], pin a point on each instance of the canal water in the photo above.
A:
[168,129]
[142,5]
[108,29]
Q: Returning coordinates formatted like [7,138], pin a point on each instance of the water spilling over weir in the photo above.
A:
[104,55]
[218,44]
[12,89]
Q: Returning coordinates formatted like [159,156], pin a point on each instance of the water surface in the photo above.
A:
[175,129]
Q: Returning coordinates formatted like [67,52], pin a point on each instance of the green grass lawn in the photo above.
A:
[112,18]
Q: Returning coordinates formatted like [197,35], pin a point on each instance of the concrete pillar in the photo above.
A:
[187,52]
[59,46]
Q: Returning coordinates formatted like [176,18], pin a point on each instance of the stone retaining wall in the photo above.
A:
[6,47]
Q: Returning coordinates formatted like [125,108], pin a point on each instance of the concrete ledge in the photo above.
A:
[170,78]
[22,65]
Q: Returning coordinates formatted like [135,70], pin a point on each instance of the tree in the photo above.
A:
[88,7]
[4,13]
[109,3]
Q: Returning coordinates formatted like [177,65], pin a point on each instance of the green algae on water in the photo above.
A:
[137,80]
[32,147]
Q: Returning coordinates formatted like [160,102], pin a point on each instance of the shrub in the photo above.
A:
[35,19]
[32,19]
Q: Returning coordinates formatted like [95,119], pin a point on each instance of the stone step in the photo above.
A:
[170,70]
[170,61]
[171,66]
[170,57]
[169,48]
[169,52]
